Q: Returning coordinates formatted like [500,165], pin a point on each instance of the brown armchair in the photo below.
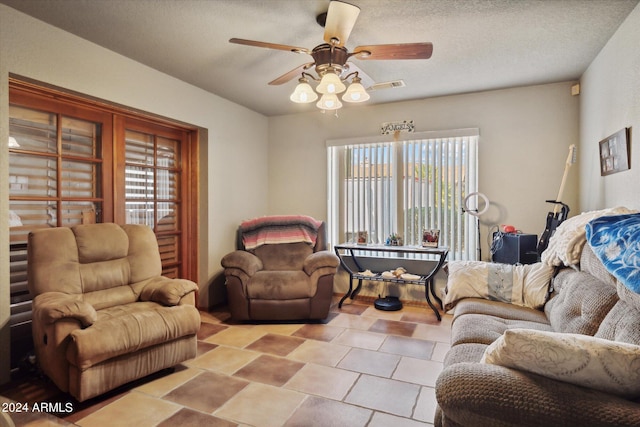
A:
[102,313]
[281,281]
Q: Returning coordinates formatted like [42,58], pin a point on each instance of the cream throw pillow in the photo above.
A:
[596,363]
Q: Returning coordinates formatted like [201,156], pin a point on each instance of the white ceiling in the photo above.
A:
[478,44]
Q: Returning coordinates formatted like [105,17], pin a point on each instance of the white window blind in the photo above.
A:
[403,187]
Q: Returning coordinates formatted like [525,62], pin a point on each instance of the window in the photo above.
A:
[405,186]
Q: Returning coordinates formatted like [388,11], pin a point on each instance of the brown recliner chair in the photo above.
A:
[102,313]
[282,281]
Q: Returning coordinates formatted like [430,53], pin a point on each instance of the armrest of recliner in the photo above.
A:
[166,291]
[53,306]
[320,260]
[482,394]
[243,261]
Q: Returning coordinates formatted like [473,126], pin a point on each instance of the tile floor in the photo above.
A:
[359,367]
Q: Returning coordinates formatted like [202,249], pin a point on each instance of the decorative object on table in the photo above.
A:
[430,238]
[363,237]
[394,239]
[614,153]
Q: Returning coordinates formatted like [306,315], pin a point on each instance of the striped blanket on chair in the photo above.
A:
[279,229]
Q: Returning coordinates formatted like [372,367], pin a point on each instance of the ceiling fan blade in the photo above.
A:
[394,51]
[270,45]
[291,74]
[341,17]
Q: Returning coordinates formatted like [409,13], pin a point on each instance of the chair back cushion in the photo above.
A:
[96,260]
[286,256]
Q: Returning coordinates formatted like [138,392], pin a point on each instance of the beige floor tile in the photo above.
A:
[385,420]
[278,328]
[386,395]
[412,347]
[381,314]
[426,407]
[226,360]
[353,321]
[236,336]
[360,339]
[440,333]
[370,362]
[319,352]
[132,410]
[440,351]
[322,381]
[330,412]
[261,405]
[164,385]
[418,371]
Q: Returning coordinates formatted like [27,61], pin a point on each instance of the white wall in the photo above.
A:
[235,167]
[524,138]
[610,101]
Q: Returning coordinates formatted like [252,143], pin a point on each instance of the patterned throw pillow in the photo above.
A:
[616,242]
[596,363]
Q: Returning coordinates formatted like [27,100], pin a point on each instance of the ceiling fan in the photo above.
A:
[330,59]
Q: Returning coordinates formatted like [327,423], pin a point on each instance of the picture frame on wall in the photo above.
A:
[614,152]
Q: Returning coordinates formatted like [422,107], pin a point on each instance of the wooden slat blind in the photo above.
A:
[152,191]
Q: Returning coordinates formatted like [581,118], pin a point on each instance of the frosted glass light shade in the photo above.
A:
[303,94]
[330,83]
[329,102]
[355,93]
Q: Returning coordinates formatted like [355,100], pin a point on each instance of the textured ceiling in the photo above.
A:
[478,44]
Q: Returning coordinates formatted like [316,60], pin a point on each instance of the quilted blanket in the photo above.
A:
[616,242]
[278,229]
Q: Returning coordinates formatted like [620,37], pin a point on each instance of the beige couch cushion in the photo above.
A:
[484,329]
[127,328]
[581,305]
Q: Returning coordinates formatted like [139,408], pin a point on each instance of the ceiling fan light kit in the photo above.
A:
[329,101]
[331,60]
[304,93]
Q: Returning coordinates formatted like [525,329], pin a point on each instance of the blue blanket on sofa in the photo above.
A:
[616,242]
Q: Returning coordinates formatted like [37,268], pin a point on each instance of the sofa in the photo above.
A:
[572,361]
[102,313]
[280,270]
